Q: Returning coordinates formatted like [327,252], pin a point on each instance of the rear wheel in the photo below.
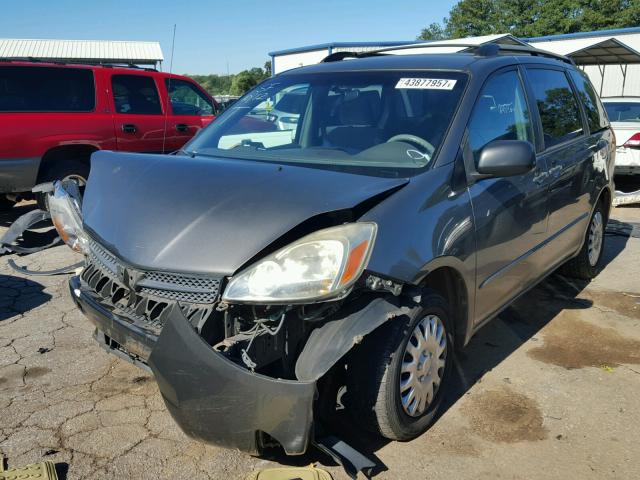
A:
[397,377]
[75,170]
[588,262]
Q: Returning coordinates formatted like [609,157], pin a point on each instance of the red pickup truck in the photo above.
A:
[54,116]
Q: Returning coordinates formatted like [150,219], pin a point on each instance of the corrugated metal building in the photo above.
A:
[83,51]
[621,77]
[611,58]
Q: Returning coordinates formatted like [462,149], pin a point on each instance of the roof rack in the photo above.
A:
[485,50]
[76,62]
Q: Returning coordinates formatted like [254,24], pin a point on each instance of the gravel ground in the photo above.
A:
[548,390]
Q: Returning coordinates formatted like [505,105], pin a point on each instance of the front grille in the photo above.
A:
[145,297]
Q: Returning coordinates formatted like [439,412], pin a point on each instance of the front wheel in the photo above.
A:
[397,377]
[588,262]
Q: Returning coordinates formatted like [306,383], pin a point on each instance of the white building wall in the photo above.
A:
[614,80]
[295,60]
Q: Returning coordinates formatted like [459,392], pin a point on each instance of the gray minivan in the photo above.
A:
[269,267]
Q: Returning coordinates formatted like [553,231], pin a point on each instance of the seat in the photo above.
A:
[358,117]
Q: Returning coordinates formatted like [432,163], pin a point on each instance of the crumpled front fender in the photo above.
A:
[329,343]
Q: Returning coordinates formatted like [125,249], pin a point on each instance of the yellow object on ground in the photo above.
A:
[36,471]
[290,473]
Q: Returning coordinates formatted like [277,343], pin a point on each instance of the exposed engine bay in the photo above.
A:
[268,339]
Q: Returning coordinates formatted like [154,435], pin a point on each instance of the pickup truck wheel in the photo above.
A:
[588,262]
[63,170]
[397,377]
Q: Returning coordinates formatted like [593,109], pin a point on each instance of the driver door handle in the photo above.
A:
[129,128]
[182,127]
[540,178]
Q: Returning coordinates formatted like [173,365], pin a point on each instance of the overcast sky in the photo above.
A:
[211,34]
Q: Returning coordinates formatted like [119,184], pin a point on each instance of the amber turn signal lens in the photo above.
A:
[60,229]
[356,257]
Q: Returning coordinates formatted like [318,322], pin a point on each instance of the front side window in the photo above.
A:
[186,99]
[500,113]
[46,89]
[596,118]
[557,106]
[391,121]
[623,111]
[136,94]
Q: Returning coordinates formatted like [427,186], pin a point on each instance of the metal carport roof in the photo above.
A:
[591,51]
[89,51]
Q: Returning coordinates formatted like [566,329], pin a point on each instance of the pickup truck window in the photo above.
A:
[186,99]
[500,113]
[136,94]
[46,89]
[557,106]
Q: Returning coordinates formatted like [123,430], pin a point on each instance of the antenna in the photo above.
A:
[166,109]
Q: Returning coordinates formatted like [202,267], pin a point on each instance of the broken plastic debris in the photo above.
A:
[290,473]
[40,471]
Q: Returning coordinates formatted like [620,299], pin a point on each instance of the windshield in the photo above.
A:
[377,121]
[623,111]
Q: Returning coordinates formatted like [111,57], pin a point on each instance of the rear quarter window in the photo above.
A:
[46,89]
[596,115]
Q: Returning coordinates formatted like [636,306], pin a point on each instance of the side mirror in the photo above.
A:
[506,158]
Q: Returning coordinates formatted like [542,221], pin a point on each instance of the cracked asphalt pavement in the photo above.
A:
[548,390]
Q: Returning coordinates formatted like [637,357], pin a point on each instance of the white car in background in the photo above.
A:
[624,114]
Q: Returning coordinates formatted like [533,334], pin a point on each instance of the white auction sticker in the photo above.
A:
[427,83]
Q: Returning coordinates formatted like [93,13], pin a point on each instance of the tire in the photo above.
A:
[588,263]
[375,367]
[61,170]
[5,203]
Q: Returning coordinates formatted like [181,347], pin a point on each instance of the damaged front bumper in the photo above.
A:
[210,397]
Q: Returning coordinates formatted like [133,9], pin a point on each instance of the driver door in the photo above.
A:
[511,212]
[190,110]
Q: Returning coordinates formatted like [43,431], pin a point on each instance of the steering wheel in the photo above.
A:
[415,140]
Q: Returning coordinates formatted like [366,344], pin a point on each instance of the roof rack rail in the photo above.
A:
[338,56]
[484,50]
[77,62]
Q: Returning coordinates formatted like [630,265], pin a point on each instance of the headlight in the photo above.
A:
[66,217]
[320,266]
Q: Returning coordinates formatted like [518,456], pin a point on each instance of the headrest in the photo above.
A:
[363,109]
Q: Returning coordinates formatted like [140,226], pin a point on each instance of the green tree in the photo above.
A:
[246,80]
[435,31]
[530,18]
[237,84]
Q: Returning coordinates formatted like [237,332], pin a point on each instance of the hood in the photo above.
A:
[208,215]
